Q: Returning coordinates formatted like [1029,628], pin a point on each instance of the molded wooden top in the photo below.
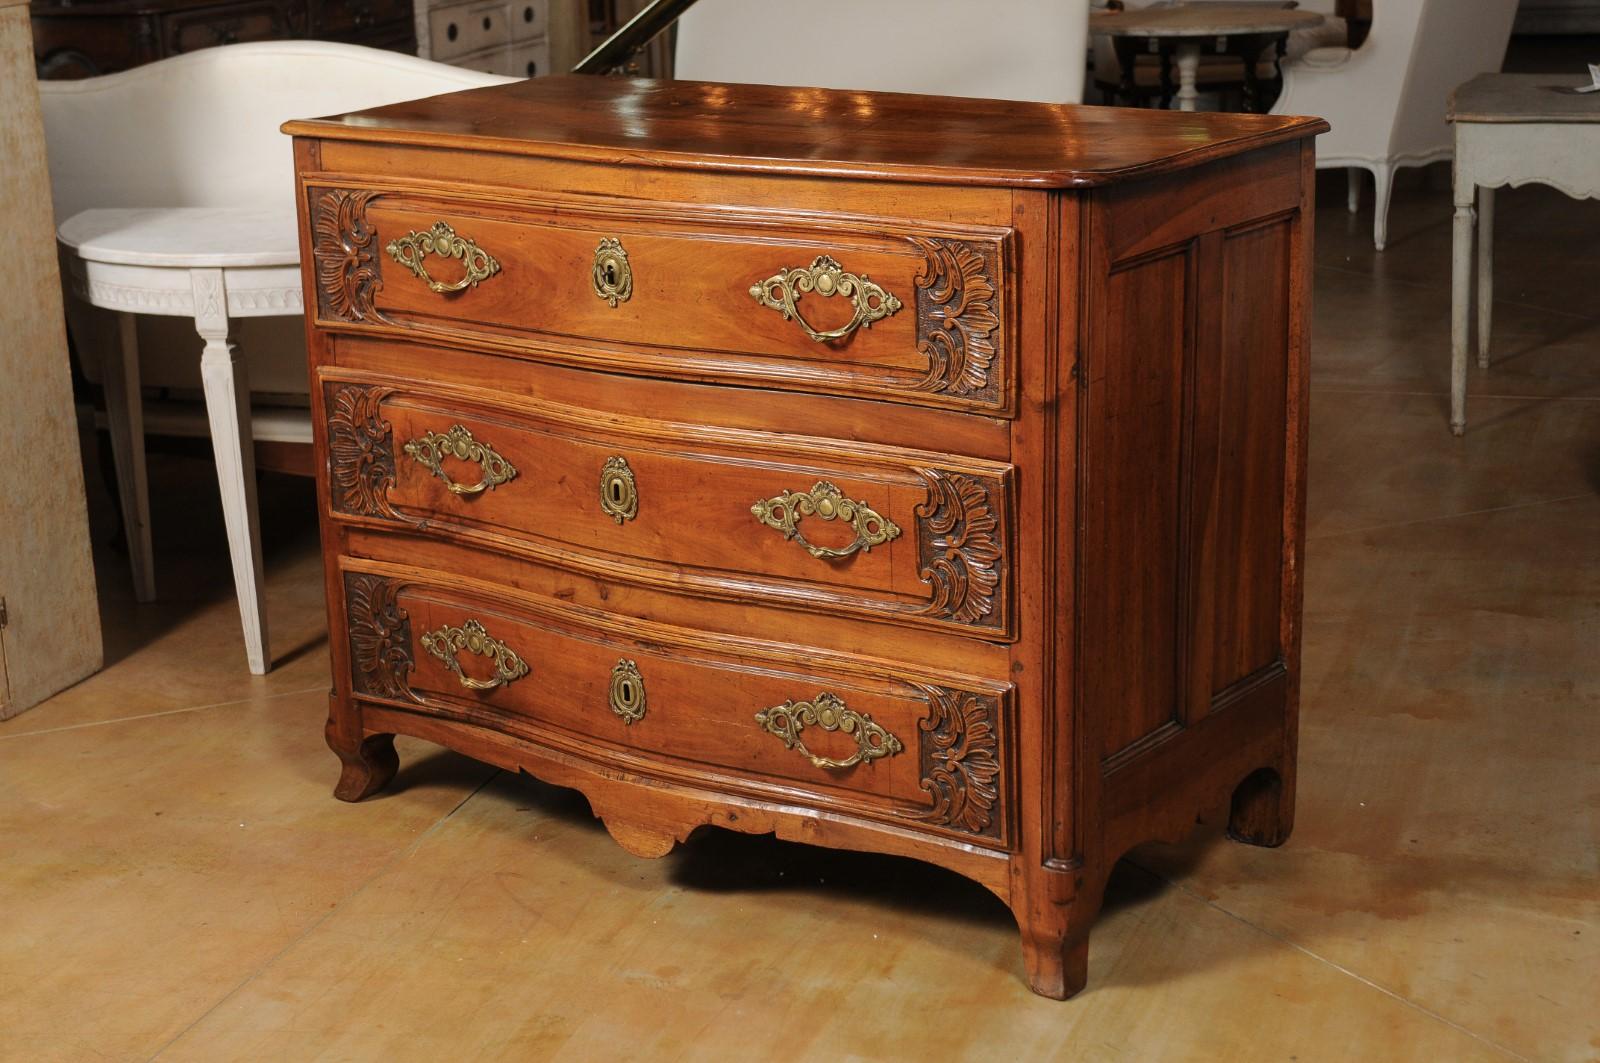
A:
[1201,20]
[819,132]
[1524,98]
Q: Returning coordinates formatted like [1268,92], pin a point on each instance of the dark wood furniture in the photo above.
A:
[83,38]
[886,472]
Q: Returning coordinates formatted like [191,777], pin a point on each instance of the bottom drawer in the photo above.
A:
[925,750]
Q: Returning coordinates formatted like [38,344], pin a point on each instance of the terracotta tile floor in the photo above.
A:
[177,883]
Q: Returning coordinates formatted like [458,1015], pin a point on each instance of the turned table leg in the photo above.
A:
[227,389]
[119,376]
[1460,305]
[1188,54]
[1485,272]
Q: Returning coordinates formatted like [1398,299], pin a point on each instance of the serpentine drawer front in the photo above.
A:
[909,310]
[821,524]
[862,743]
[914,475]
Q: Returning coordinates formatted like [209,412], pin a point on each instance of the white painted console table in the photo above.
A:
[1511,129]
[211,264]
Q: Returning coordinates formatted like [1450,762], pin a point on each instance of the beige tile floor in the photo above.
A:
[177,883]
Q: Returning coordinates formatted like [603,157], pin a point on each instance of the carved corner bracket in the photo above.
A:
[344,246]
[961,549]
[961,763]
[381,656]
[360,450]
[958,319]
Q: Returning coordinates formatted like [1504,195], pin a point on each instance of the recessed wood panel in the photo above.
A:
[1249,511]
[1132,451]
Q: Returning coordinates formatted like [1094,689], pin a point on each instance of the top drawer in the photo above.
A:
[920,313]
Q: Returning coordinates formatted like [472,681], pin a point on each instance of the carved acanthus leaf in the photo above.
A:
[343,247]
[360,450]
[961,550]
[960,751]
[380,637]
[957,320]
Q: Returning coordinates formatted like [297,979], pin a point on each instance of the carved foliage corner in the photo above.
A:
[960,751]
[961,549]
[958,322]
[343,245]
[380,637]
[360,450]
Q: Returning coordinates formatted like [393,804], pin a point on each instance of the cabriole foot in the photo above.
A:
[367,768]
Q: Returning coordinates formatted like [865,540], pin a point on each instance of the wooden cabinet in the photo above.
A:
[887,472]
[83,38]
[509,37]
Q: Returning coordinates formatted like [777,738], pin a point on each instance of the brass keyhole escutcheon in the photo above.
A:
[613,277]
[619,497]
[627,692]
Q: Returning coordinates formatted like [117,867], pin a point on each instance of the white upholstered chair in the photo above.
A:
[172,183]
[1386,100]
[1000,49]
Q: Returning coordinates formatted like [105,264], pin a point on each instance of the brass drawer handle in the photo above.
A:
[827,278]
[619,495]
[471,636]
[431,449]
[784,512]
[409,250]
[627,695]
[828,712]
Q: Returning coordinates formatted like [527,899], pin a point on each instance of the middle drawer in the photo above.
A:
[792,521]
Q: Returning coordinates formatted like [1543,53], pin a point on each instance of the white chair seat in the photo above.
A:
[184,237]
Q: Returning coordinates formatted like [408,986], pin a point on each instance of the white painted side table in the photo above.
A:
[211,264]
[1510,129]
[1190,28]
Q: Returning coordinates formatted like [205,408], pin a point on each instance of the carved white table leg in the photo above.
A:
[1460,306]
[1352,200]
[227,389]
[125,419]
[1485,272]
[1188,56]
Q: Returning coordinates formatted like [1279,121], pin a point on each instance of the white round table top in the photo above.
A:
[1201,20]
[184,237]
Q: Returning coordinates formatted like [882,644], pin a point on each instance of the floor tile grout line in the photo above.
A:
[337,906]
[1341,968]
[1449,516]
[1498,300]
[1336,389]
[1440,287]
[163,712]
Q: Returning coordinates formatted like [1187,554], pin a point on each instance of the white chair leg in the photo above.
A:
[1383,178]
[1352,175]
[119,376]
[1460,307]
[227,387]
[1485,273]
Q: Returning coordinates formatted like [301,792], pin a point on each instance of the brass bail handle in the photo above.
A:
[826,278]
[447,642]
[430,450]
[826,502]
[411,249]
[829,712]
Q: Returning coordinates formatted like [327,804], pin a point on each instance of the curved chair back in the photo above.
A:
[1387,100]
[202,129]
[999,49]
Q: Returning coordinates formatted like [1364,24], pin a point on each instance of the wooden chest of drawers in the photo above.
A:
[887,472]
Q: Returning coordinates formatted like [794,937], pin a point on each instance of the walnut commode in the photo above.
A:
[896,473]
